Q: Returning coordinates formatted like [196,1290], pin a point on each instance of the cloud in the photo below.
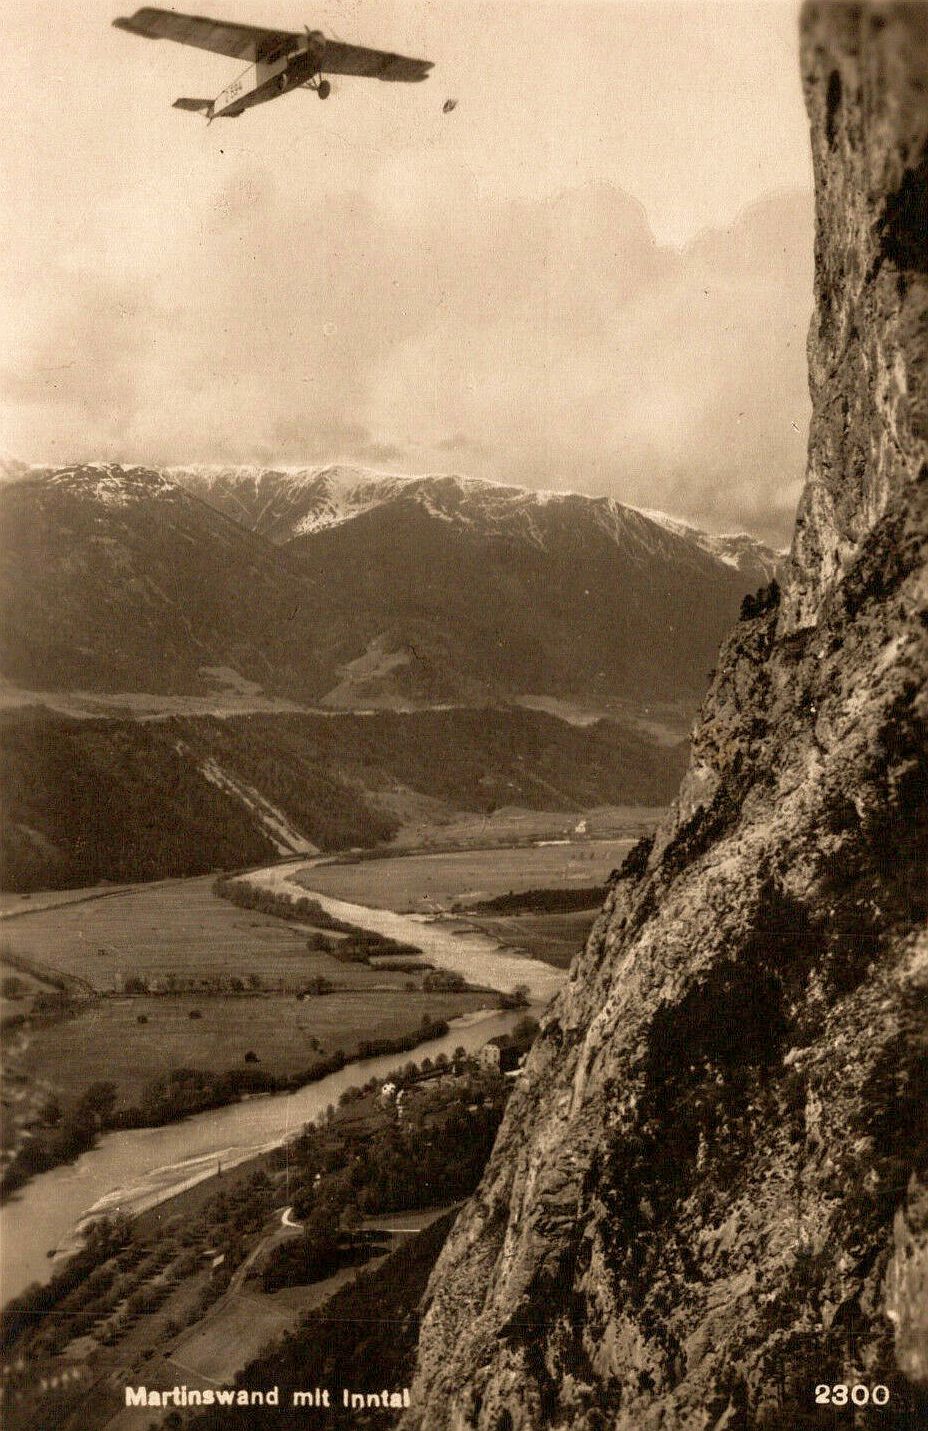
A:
[548,341]
[381,452]
[459,444]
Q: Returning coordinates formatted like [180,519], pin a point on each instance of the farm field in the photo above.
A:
[104,1041]
[175,929]
[226,1341]
[553,938]
[248,1319]
[440,882]
[428,824]
[13,903]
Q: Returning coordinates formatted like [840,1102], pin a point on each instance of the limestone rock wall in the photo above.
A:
[709,1192]
[864,71]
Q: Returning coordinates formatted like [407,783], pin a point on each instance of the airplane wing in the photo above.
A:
[340,59]
[251,43]
[239,42]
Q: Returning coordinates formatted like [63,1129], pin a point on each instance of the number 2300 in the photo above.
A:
[841,1394]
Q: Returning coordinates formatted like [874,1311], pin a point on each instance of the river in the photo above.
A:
[129,1172]
[132,1171]
[443,940]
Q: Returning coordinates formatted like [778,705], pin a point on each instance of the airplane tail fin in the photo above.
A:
[197,105]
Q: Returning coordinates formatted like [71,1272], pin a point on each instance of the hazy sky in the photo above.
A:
[595,273]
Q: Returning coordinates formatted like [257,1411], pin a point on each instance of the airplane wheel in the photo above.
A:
[282,82]
[324,90]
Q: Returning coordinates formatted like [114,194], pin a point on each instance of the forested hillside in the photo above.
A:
[122,800]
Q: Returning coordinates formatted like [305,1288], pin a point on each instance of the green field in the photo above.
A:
[187,945]
[179,929]
[442,881]
[426,824]
[105,1041]
[553,938]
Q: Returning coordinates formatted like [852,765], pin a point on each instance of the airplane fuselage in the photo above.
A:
[267,79]
[280,59]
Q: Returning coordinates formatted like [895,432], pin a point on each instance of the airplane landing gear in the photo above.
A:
[323,89]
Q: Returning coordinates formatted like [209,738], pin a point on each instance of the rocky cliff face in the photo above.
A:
[710,1192]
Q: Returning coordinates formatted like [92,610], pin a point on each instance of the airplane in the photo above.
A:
[280,60]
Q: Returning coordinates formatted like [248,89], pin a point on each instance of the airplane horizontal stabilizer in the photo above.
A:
[195,104]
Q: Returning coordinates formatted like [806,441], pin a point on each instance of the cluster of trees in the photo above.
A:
[365,945]
[315,987]
[63,1136]
[429,1028]
[516,998]
[51,1005]
[115,1295]
[443,981]
[364,1336]
[184,1091]
[235,1214]
[266,901]
[360,945]
[543,901]
[406,1076]
[330,1239]
[523,1035]
[138,984]
[104,1240]
[435,1155]
[319,943]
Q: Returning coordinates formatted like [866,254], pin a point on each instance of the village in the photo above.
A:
[206,1279]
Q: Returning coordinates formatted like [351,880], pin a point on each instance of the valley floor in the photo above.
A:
[448,882]
[155,1000]
[187,1293]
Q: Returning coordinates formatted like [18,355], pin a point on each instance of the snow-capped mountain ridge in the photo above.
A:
[342,585]
[110,483]
[284,503]
[729,547]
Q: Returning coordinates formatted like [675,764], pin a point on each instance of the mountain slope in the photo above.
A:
[295,502]
[86,800]
[399,591]
[114,578]
[709,1195]
[564,597]
[282,504]
[428,576]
